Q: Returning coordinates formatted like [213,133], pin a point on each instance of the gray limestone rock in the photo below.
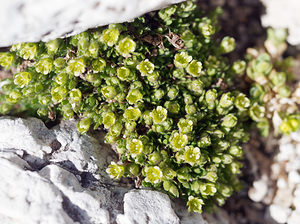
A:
[58,176]
[35,20]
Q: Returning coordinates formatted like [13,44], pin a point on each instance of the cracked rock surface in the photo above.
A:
[35,20]
[58,176]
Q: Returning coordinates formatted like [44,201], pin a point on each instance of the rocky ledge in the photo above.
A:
[58,176]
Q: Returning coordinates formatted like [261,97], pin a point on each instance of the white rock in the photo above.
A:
[296,201]
[29,135]
[34,20]
[86,200]
[294,218]
[67,183]
[279,213]
[283,14]
[281,183]
[26,197]
[286,152]
[259,189]
[294,177]
[147,207]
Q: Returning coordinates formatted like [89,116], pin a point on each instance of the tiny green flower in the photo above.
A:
[188,37]
[59,63]
[194,68]
[159,115]
[204,141]
[239,67]
[6,59]
[14,96]
[195,204]
[256,112]
[5,108]
[188,99]
[284,91]
[259,67]
[68,113]
[75,95]
[257,92]
[154,158]
[179,73]
[115,129]
[134,96]
[236,151]
[58,93]
[42,112]
[109,118]
[226,159]
[171,188]
[22,79]
[93,49]
[178,141]
[153,77]
[192,155]
[135,147]
[172,107]
[210,98]
[110,36]
[145,67]
[61,78]
[263,126]
[158,94]
[226,100]
[190,109]
[84,125]
[229,121]
[242,102]
[165,13]
[115,171]
[76,66]
[130,125]
[172,92]
[196,86]
[182,60]
[227,44]
[134,169]
[123,73]
[291,124]
[44,66]
[109,92]
[206,29]
[45,99]
[208,189]
[53,46]
[167,171]
[154,174]
[132,113]
[185,125]
[147,117]
[278,78]
[126,46]
[28,51]
[235,167]
[98,65]
[211,176]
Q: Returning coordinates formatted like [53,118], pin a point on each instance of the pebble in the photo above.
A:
[294,218]
[259,189]
[279,213]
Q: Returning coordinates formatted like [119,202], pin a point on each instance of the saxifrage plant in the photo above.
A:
[161,89]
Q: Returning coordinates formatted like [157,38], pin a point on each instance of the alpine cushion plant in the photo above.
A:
[158,86]
[274,93]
